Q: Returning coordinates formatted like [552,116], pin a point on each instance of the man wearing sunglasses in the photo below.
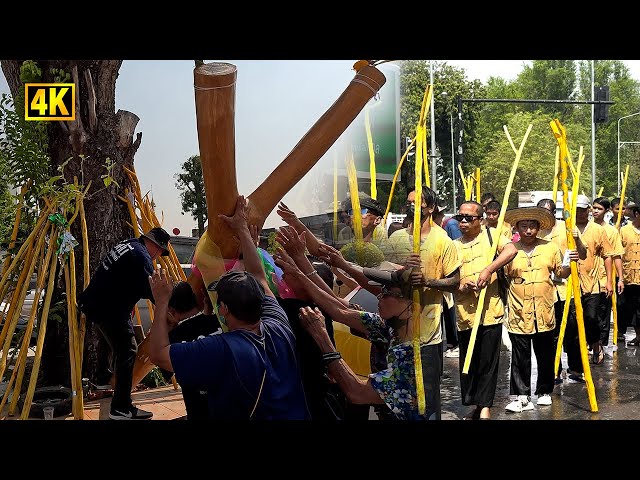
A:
[371,213]
[478,388]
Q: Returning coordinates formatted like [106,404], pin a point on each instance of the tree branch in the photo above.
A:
[91,104]
[127,122]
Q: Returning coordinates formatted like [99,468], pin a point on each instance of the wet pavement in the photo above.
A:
[617,386]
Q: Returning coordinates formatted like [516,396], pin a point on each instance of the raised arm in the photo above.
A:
[250,257]
[292,219]
[334,306]
[294,244]
[358,391]
[334,258]
[162,288]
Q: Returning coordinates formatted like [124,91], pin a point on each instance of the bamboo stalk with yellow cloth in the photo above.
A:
[494,247]
[561,137]
[417,240]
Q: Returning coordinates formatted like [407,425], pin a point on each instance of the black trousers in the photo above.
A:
[479,385]
[590,315]
[520,382]
[450,328]
[629,308]
[431,356]
[604,318]
[118,332]
[559,309]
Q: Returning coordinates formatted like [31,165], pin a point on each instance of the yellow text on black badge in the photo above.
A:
[50,101]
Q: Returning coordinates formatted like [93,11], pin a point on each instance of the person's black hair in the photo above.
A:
[493,205]
[324,271]
[429,197]
[487,196]
[182,298]
[636,210]
[604,201]
[615,202]
[547,203]
[479,209]
[393,227]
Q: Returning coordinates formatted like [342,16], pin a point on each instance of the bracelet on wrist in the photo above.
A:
[311,273]
[329,357]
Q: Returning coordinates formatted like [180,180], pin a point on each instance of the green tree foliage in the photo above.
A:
[191,186]
[537,164]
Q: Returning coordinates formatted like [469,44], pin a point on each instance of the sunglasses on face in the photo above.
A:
[388,293]
[466,218]
[363,211]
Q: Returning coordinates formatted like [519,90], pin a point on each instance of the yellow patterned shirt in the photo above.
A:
[617,251]
[557,235]
[531,291]
[631,259]
[595,239]
[439,259]
[473,258]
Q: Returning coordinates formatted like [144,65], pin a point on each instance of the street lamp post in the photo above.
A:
[622,143]
[453,162]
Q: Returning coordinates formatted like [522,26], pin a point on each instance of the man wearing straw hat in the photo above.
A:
[119,282]
[530,301]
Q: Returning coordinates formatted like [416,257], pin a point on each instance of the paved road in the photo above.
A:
[617,383]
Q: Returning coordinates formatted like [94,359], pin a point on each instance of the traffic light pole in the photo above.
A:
[460,127]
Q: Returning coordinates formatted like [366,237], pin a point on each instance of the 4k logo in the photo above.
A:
[50,101]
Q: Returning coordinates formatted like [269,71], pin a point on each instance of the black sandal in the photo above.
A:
[598,359]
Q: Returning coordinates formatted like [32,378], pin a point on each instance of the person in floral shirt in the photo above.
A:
[394,386]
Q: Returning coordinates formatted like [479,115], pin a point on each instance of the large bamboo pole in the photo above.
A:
[561,137]
[494,247]
[372,155]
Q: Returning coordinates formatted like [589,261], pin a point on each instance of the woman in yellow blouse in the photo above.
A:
[530,301]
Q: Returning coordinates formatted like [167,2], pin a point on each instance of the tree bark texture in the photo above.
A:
[98,133]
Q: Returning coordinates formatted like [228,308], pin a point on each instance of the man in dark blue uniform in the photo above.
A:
[116,286]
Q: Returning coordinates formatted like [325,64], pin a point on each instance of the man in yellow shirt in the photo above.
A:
[594,237]
[530,304]
[435,270]
[599,209]
[630,305]
[478,387]
[492,212]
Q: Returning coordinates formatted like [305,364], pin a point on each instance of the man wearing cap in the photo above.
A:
[530,300]
[630,299]
[116,286]
[478,387]
[594,238]
[251,371]
[371,212]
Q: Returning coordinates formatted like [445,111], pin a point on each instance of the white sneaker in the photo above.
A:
[521,404]
[452,353]
[544,399]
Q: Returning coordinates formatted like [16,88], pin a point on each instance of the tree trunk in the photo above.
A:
[98,133]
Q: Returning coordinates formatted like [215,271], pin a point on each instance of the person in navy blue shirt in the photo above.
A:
[251,371]
[116,286]
[188,324]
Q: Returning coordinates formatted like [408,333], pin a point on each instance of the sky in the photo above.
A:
[276,103]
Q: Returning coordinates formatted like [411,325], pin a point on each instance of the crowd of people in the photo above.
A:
[254,353]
